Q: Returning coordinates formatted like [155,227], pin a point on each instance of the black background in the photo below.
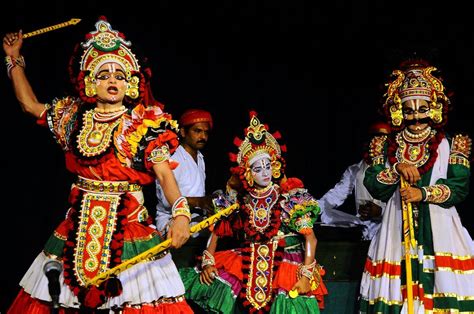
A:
[313,70]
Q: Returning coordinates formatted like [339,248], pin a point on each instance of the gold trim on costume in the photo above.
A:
[459,160]
[106,186]
[97,225]
[388,176]
[156,303]
[376,148]
[436,194]
[159,154]
[95,137]
[461,145]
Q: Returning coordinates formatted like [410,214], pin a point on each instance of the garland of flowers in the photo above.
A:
[433,144]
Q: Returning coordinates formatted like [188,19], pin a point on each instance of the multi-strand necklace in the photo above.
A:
[107,115]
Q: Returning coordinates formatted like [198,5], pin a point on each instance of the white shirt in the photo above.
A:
[352,180]
[191,179]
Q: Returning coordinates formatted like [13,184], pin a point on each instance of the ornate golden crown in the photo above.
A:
[107,45]
[416,82]
[258,143]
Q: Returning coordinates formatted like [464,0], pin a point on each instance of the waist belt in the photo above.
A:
[107,186]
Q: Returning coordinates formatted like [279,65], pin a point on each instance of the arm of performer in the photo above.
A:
[12,43]
[453,189]
[179,229]
[306,270]
[209,270]
[380,179]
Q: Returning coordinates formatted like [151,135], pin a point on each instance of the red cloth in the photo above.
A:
[192,116]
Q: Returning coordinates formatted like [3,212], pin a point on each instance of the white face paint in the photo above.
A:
[262,172]
[416,110]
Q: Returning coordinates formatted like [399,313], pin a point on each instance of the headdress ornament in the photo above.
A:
[107,45]
[258,143]
[415,80]
[192,116]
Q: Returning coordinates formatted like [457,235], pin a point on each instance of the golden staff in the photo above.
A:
[409,242]
[51,28]
[148,254]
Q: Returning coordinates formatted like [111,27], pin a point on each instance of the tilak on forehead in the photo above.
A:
[111,68]
[415,81]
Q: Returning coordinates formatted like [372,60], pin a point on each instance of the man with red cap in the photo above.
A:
[369,210]
[195,125]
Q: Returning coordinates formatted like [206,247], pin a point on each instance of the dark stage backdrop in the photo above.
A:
[313,71]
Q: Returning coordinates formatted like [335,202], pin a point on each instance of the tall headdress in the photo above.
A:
[258,143]
[107,45]
[415,80]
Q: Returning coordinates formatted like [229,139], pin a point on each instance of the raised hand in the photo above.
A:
[12,43]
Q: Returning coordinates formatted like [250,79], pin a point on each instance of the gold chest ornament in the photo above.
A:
[95,136]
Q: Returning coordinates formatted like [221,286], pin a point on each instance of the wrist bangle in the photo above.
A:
[12,62]
[307,270]
[394,168]
[424,193]
[207,259]
[181,208]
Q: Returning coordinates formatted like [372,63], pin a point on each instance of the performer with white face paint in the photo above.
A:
[115,138]
[422,173]
[273,269]
[262,171]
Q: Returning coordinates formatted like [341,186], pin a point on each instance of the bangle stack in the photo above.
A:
[307,270]
[181,208]
[207,259]
[12,62]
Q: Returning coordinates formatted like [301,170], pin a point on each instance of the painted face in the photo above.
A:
[111,83]
[196,135]
[262,172]
[416,114]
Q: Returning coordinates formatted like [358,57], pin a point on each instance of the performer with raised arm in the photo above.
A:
[115,138]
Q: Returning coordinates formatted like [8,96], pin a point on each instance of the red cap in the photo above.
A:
[192,116]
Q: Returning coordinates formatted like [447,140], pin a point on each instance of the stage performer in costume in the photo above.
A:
[116,138]
[421,260]
[273,269]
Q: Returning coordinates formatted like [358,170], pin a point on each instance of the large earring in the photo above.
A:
[396,111]
[436,110]
[91,87]
[276,169]
[132,87]
[249,177]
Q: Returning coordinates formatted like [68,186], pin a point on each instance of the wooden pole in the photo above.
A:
[150,253]
[51,28]
[409,242]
